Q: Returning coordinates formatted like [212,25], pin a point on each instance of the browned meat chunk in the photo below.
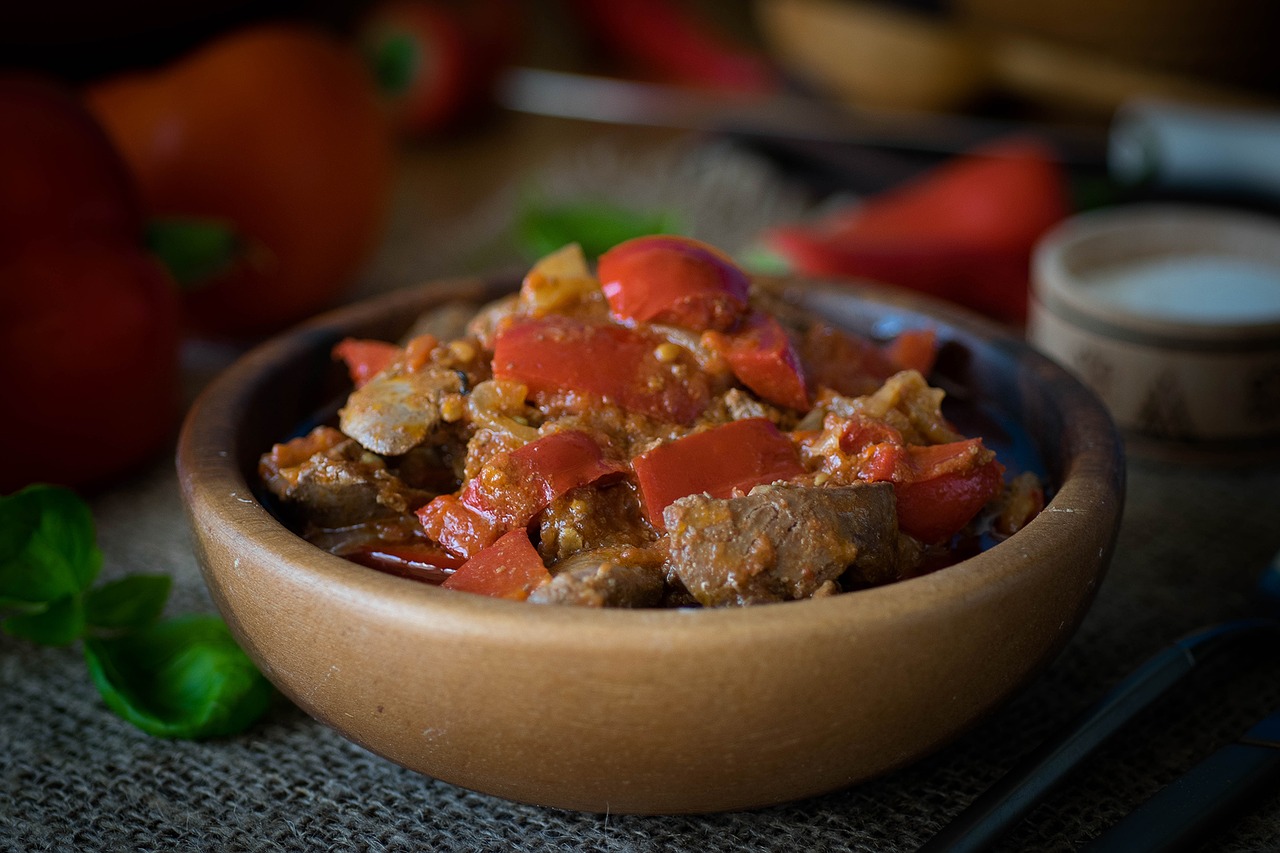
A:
[609,577]
[782,542]
[333,482]
[396,412]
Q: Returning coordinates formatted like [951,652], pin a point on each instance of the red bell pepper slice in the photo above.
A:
[456,526]
[417,560]
[557,355]
[675,280]
[514,487]
[939,487]
[962,232]
[509,568]
[718,461]
[934,509]
[762,357]
[852,365]
[365,359]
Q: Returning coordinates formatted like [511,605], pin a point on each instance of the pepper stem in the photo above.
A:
[194,250]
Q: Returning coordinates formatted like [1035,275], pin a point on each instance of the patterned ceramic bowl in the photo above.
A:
[1172,315]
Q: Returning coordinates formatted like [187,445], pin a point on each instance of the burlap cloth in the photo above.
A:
[73,777]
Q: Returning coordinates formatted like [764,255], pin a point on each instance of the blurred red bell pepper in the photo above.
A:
[268,147]
[436,60]
[89,324]
[737,455]
[670,42]
[963,232]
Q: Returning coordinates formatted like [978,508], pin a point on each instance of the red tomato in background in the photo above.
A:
[61,177]
[274,131]
[89,322]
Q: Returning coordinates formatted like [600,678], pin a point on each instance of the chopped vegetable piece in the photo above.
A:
[418,560]
[457,526]
[514,487]
[560,356]
[509,568]
[914,349]
[365,359]
[940,487]
[935,509]
[761,355]
[675,280]
[718,461]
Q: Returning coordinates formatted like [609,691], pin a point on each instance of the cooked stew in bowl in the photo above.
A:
[663,432]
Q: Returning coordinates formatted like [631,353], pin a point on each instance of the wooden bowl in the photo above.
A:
[656,711]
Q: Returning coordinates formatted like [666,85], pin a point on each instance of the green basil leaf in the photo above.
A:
[134,601]
[596,226]
[56,624]
[47,546]
[182,678]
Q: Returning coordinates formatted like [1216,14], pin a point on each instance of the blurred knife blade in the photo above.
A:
[775,116]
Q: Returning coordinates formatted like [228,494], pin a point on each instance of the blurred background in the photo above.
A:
[927,144]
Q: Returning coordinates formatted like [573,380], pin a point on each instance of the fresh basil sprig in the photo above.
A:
[182,677]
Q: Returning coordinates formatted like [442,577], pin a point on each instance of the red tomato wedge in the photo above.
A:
[365,359]
[675,280]
[556,355]
[514,487]
[509,568]
[762,357]
[717,461]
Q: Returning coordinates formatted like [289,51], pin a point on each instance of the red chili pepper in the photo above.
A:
[962,232]
[675,280]
[509,568]
[761,355]
[89,323]
[717,461]
[556,355]
[365,359]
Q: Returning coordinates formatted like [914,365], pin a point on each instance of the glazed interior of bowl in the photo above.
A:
[665,710]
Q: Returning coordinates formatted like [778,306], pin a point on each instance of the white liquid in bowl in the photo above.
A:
[1192,289]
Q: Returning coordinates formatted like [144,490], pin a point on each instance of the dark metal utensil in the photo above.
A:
[1005,803]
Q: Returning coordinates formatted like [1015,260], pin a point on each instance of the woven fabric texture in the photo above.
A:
[73,777]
